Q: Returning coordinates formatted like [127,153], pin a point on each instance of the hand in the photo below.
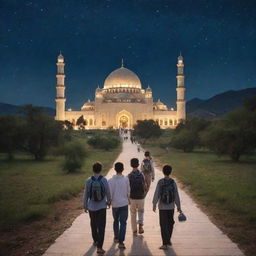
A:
[153,179]
[129,201]
[108,206]
[179,210]
[85,210]
[154,209]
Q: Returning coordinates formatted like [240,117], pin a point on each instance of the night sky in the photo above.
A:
[217,40]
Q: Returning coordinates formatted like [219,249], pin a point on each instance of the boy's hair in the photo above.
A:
[119,167]
[147,153]
[167,169]
[134,162]
[97,167]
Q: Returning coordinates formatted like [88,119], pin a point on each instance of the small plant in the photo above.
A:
[74,153]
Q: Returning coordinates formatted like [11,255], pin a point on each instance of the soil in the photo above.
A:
[33,238]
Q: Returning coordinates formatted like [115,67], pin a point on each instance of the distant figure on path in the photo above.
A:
[138,147]
[137,195]
[147,169]
[119,187]
[96,200]
[166,195]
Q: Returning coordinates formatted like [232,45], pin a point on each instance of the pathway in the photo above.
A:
[198,236]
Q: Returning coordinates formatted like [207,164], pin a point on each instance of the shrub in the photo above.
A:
[104,142]
[74,153]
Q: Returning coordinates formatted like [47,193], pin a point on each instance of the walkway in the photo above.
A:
[198,236]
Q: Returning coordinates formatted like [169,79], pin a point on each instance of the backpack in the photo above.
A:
[167,191]
[147,167]
[137,183]
[97,192]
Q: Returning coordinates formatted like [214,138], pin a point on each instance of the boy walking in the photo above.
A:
[137,195]
[166,195]
[147,169]
[119,190]
[96,200]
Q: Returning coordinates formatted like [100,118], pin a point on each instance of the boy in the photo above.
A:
[119,187]
[147,169]
[96,200]
[166,195]
[137,195]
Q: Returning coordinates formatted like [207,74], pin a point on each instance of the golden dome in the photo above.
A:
[122,77]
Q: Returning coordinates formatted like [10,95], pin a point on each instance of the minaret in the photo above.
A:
[181,103]
[60,89]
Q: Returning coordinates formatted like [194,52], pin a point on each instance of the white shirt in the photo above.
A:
[119,187]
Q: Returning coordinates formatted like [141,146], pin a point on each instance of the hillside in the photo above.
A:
[9,109]
[219,104]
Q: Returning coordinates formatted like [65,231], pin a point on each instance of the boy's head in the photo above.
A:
[167,170]
[147,154]
[119,167]
[97,167]
[134,162]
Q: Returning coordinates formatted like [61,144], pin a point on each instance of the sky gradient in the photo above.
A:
[217,40]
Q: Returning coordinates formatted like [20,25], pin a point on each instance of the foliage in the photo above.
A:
[81,122]
[74,153]
[104,142]
[41,132]
[11,135]
[186,135]
[147,129]
[234,134]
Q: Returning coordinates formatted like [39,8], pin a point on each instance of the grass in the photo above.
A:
[227,190]
[29,188]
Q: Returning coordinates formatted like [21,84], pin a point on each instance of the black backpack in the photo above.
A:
[167,191]
[146,166]
[137,183]
[97,192]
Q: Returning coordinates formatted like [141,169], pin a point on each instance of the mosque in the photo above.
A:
[121,102]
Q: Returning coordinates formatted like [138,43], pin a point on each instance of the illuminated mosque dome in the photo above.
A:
[122,77]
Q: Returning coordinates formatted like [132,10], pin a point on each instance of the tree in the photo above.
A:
[81,122]
[186,135]
[147,129]
[41,132]
[234,134]
[11,134]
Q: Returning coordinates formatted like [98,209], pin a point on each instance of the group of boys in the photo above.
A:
[121,191]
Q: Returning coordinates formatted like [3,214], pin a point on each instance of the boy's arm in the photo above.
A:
[177,197]
[156,196]
[107,193]
[86,195]
[153,170]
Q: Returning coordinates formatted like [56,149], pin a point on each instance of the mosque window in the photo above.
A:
[175,122]
[85,122]
[103,123]
[91,122]
[161,122]
[170,121]
[165,122]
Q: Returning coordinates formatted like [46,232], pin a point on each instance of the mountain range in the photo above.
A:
[213,107]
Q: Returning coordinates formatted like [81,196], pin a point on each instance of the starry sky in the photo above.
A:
[217,39]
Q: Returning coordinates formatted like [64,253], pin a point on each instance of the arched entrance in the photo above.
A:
[124,120]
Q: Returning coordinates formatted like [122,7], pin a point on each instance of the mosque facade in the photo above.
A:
[121,102]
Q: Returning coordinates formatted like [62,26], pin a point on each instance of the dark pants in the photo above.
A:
[166,224]
[120,216]
[98,224]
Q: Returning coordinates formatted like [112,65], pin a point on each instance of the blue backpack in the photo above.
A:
[97,192]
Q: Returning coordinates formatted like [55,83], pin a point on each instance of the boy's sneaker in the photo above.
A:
[141,230]
[116,240]
[121,246]
[100,251]
[163,247]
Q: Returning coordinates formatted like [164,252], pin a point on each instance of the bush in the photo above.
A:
[75,154]
[104,142]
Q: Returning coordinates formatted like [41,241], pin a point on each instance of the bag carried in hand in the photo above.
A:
[146,166]
[167,191]
[182,217]
[97,192]
[137,183]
